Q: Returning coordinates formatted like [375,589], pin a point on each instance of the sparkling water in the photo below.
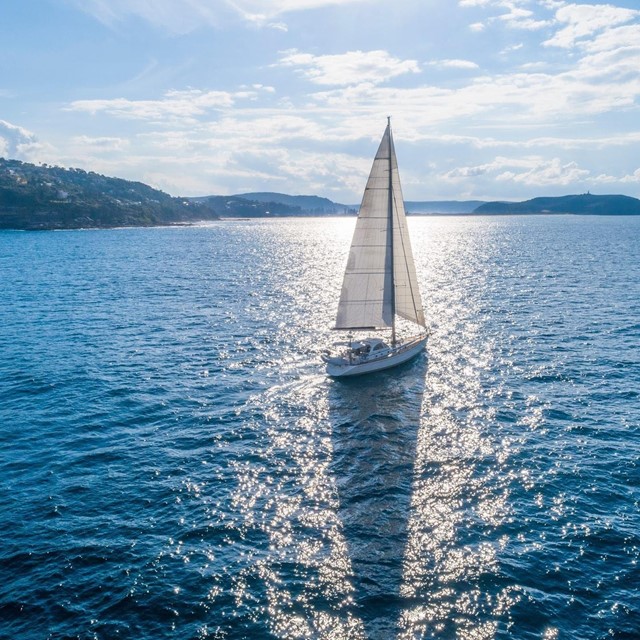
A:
[176,464]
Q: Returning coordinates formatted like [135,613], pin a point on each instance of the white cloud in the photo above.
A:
[278,26]
[587,143]
[623,37]
[604,178]
[533,171]
[231,133]
[243,130]
[352,67]
[576,24]
[102,143]
[512,48]
[453,64]
[634,177]
[547,173]
[587,89]
[474,3]
[587,22]
[574,102]
[18,143]
[564,143]
[466,172]
[517,18]
[498,164]
[514,15]
[183,105]
[236,154]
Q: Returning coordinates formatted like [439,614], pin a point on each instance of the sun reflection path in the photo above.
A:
[289,496]
[460,492]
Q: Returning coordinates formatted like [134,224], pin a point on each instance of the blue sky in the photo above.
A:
[491,99]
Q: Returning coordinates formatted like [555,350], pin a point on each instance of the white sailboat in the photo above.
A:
[380,281]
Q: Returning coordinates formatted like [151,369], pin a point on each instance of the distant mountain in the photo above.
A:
[315,205]
[442,206]
[265,204]
[44,197]
[585,204]
[260,204]
[306,204]
[238,207]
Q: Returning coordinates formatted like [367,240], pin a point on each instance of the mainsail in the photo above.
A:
[380,280]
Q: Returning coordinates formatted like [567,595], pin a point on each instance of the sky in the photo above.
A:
[490,99]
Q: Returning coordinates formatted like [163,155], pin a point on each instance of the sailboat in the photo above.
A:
[380,283]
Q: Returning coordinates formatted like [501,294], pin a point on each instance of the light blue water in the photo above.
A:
[175,464]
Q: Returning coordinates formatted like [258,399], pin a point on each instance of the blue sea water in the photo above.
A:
[175,464]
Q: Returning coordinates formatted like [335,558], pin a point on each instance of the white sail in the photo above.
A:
[380,279]
[408,303]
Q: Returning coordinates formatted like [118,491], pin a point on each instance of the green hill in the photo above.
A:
[266,204]
[43,197]
[585,204]
[242,207]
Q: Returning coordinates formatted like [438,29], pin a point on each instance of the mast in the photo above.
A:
[390,214]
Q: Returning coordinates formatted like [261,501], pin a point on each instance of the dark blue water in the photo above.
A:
[175,464]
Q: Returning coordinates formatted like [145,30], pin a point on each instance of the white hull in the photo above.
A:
[342,367]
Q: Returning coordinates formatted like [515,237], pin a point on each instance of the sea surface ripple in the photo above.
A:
[176,464]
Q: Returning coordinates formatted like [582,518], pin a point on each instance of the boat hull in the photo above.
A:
[403,353]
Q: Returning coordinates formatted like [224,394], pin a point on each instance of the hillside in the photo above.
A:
[585,204]
[43,197]
[258,205]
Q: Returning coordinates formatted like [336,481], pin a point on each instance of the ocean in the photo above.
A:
[176,464]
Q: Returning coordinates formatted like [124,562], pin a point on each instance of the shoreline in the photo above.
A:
[323,217]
